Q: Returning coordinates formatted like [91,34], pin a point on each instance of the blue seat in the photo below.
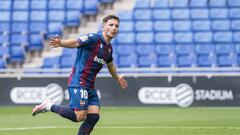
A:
[126,26]
[56,16]
[91,7]
[145,49]
[203,37]
[128,60]
[38,16]
[38,27]
[148,60]
[235,25]
[201,25]
[164,37]
[161,14]
[182,25]
[162,26]
[199,13]
[230,60]
[39,5]
[144,38]
[160,4]
[234,13]
[223,37]
[20,16]
[142,14]
[198,3]
[76,5]
[54,28]
[209,60]
[142,4]
[51,62]
[19,39]
[144,26]
[4,27]
[205,49]
[19,27]
[165,49]
[221,25]
[36,42]
[67,61]
[73,18]
[5,5]
[3,63]
[180,14]
[17,54]
[125,15]
[126,38]
[167,61]
[183,37]
[225,49]
[234,3]
[179,3]
[4,40]
[21,5]
[187,60]
[56,4]
[217,3]
[4,53]
[218,13]
[5,16]
[236,37]
[69,52]
[185,49]
[125,50]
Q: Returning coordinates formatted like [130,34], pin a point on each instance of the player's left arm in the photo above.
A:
[113,71]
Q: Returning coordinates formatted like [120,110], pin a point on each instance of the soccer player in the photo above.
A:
[94,50]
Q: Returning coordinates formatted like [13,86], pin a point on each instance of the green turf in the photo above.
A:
[127,121]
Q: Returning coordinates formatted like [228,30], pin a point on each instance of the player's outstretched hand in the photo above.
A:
[55,42]
[122,82]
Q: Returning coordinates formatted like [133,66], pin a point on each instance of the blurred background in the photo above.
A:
[172,52]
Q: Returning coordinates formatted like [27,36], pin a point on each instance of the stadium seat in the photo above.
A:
[38,16]
[205,49]
[217,3]
[144,38]
[20,16]
[4,40]
[233,3]
[235,25]
[203,37]
[180,14]
[56,5]
[161,14]
[3,63]
[126,26]
[19,40]
[167,60]
[4,53]
[125,15]
[5,16]
[201,25]
[142,14]
[187,60]
[160,3]
[90,7]
[5,5]
[178,3]
[54,28]
[17,54]
[185,49]
[236,37]
[142,4]
[56,16]
[143,26]
[73,18]
[183,37]
[223,37]
[67,61]
[126,38]
[182,25]
[69,51]
[225,49]
[39,5]
[234,13]
[209,60]
[145,49]
[75,5]
[198,3]
[128,60]
[147,60]
[162,26]
[19,27]
[38,27]
[36,42]
[221,25]
[164,38]
[228,60]
[21,5]
[165,49]
[51,62]
[4,27]
[199,13]
[218,13]
[125,49]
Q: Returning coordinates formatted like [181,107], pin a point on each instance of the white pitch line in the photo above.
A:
[119,127]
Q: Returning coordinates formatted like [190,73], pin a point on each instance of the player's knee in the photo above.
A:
[93,118]
[80,118]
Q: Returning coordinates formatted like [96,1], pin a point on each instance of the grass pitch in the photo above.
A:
[127,121]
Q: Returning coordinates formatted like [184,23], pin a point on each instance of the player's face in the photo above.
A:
[111,28]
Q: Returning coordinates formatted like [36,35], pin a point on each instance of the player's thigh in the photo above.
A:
[81,115]
[93,109]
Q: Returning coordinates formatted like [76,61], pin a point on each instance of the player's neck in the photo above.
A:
[106,38]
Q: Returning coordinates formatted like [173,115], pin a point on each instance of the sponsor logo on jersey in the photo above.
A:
[99,60]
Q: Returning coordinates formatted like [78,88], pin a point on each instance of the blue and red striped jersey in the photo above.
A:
[92,54]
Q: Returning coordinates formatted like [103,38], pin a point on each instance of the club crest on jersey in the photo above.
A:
[82,103]
[84,38]
[99,60]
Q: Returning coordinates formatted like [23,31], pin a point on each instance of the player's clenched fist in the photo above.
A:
[55,42]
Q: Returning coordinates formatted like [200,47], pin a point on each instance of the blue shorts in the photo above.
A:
[80,98]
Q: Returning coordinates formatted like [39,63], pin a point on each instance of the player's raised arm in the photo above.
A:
[112,70]
[58,42]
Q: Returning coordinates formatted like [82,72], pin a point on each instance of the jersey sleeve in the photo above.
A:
[87,40]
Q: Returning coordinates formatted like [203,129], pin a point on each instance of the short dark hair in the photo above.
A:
[109,17]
